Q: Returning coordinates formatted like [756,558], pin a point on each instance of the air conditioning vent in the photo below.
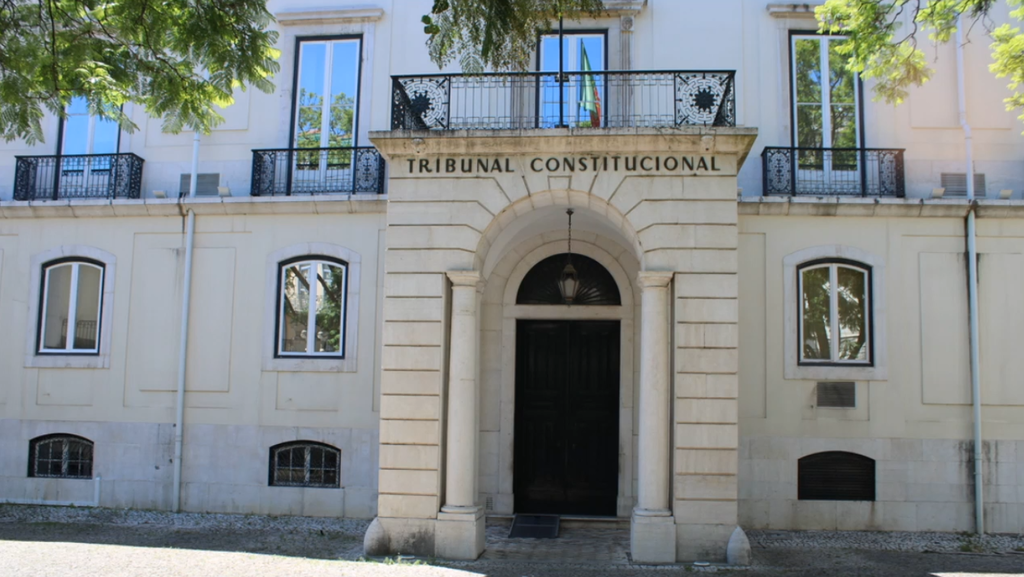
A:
[206,184]
[955,184]
[842,395]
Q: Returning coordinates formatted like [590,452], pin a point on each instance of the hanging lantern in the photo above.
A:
[570,281]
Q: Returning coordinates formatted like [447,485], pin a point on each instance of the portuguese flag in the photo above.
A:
[591,98]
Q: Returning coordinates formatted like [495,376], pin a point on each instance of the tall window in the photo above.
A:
[305,464]
[84,133]
[62,456]
[327,93]
[311,315]
[826,107]
[87,134]
[835,312]
[581,94]
[70,307]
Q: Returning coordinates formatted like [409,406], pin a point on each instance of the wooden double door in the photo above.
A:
[566,458]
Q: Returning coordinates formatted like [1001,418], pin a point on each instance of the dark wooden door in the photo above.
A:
[566,457]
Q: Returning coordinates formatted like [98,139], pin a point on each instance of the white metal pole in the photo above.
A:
[194,178]
[179,421]
[972,286]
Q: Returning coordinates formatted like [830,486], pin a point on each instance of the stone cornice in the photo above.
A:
[319,204]
[623,7]
[792,10]
[693,139]
[877,207]
[352,14]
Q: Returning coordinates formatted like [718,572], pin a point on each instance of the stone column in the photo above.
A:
[653,534]
[460,524]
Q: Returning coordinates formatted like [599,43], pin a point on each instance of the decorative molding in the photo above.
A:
[350,15]
[348,364]
[792,10]
[879,207]
[232,205]
[617,7]
[878,371]
[70,361]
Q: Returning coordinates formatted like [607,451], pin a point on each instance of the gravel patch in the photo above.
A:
[887,541]
[132,517]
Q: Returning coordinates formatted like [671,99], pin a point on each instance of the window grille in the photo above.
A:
[955,184]
[540,286]
[836,476]
[60,456]
[305,464]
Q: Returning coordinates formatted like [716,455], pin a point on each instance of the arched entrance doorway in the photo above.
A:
[567,393]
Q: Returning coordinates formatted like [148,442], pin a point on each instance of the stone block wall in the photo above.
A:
[225,468]
[921,485]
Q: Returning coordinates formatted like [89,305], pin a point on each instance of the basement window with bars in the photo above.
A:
[836,476]
[60,456]
[305,464]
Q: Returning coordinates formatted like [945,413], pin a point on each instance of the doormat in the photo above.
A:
[535,526]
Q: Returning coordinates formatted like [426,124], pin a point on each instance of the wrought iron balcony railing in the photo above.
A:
[833,171]
[77,176]
[612,99]
[288,171]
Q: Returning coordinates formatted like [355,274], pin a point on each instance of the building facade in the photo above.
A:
[359,306]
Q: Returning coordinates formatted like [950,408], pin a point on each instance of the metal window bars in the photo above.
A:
[292,171]
[833,172]
[78,176]
[594,99]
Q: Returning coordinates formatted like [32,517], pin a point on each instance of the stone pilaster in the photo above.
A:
[653,532]
[460,524]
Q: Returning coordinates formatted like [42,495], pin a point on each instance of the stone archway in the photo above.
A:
[446,232]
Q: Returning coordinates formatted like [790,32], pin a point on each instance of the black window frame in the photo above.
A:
[67,439]
[41,313]
[791,65]
[869,316]
[343,342]
[836,476]
[295,82]
[307,447]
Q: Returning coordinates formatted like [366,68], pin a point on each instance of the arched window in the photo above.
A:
[61,456]
[835,312]
[836,476]
[305,464]
[311,307]
[70,307]
[541,286]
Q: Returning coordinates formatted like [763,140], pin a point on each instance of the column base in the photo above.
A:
[459,533]
[652,537]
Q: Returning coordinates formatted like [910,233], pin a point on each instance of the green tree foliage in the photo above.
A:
[884,35]
[496,34]
[176,58]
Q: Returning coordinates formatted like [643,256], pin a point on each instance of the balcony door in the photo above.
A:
[826,116]
[326,114]
[85,134]
[578,100]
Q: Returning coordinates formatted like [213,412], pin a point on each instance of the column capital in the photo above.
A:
[654,278]
[467,278]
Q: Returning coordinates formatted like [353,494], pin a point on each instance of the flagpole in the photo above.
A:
[561,75]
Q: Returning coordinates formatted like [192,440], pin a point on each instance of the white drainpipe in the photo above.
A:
[972,286]
[179,420]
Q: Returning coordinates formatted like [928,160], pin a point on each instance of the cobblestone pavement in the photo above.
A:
[59,542]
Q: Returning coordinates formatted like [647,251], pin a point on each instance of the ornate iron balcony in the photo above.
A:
[833,171]
[598,99]
[77,176]
[288,171]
